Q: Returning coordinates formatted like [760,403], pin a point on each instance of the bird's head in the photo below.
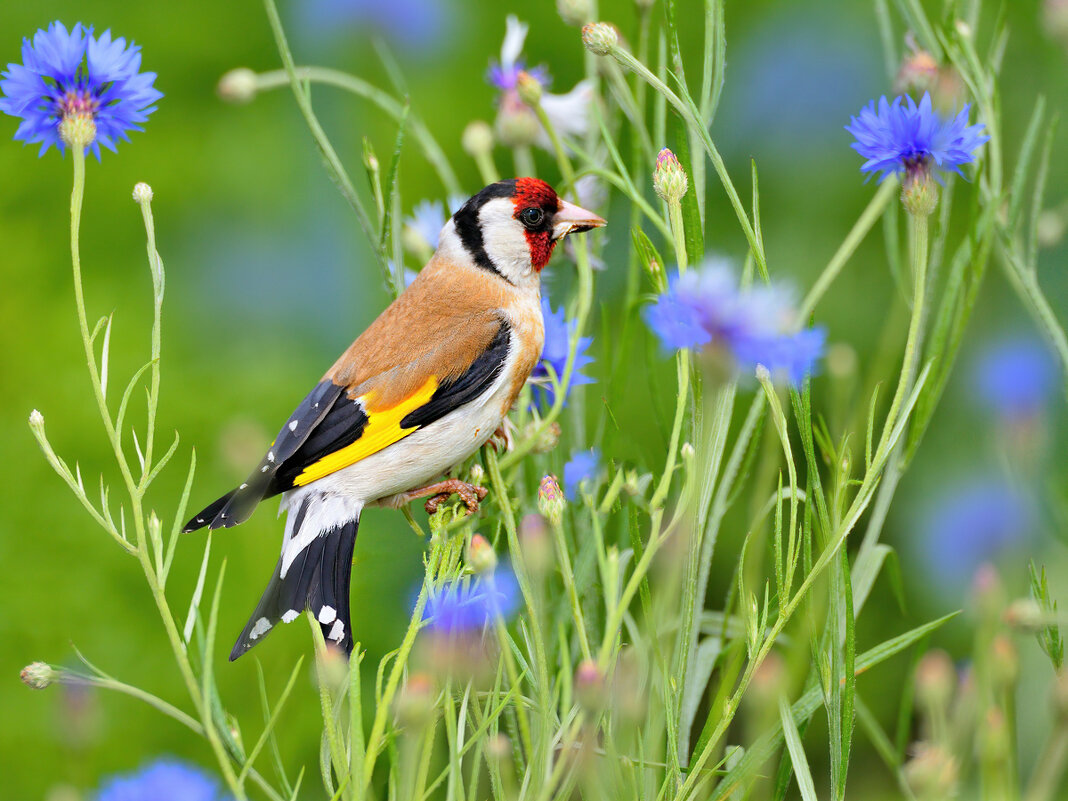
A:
[511,228]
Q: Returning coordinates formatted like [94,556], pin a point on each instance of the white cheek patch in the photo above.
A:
[504,239]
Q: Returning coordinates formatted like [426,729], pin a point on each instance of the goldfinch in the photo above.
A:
[418,392]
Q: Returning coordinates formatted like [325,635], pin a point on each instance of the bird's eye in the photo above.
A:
[532,217]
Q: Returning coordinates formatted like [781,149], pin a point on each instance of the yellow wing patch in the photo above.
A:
[383,428]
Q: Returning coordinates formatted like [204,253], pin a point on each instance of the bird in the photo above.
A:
[419,391]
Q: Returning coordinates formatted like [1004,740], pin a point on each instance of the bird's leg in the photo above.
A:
[470,494]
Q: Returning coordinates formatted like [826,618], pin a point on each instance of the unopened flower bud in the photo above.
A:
[551,500]
[536,544]
[528,88]
[1026,615]
[918,73]
[963,28]
[142,193]
[77,130]
[38,675]
[600,38]
[669,179]
[919,190]
[548,438]
[481,557]
[994,741]
[477,473]
[590,688]
[635,484]
[498,747]
[1004,661]
[932,772]
[37,421]
[574,12]
[988,593]
[1055,19]
[477,138]
[841,360]
[1051,224]
[333,668]
[687,452]
[415,701]
[516,125]
[237,86]
[936,679]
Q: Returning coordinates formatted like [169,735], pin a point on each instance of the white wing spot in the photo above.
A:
[290,616]
[337,631]
[292,425]
[327,614]
[259,628]
[270,456]
[243,486]
[264,469]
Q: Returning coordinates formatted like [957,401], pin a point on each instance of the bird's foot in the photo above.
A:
[440,492]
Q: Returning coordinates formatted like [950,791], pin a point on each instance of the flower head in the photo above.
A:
[76,88]
[505,73]
[903,137]
[163,780]
[427,220]
[1014,377]
[466,606]
[550,499]
[516,123]
[971,524]
[755,326]
[582,467]
[558,334]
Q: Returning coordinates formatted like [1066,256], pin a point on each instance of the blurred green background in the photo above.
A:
[268,279]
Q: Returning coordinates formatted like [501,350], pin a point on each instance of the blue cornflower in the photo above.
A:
[77,77]
[413,23]
[427,220]
[1014,377]
[504,74]
[706,307]
[558,334]
[902,136]
[163,780]
[973,523]
[466,606]
[582,466]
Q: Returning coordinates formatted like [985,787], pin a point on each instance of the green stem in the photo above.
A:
[361,88]
[135,491]
[873,211]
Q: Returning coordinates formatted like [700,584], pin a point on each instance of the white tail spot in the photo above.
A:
[292,425]
[259,628]
[290,616]
[327,614]
[337,631]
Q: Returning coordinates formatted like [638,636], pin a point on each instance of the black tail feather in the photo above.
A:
[318,580]
[207,515]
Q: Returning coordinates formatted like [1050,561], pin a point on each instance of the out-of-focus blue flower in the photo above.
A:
[900,136]
[582,466]
[756,326]
[412,23]
[558,334]
[163,780]
[427,220]
[466,606]
[971,524]
[1014,377]
[67,74]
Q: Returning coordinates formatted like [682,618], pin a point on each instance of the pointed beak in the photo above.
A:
[572,219]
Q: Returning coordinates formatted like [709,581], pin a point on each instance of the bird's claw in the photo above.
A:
[470,494]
